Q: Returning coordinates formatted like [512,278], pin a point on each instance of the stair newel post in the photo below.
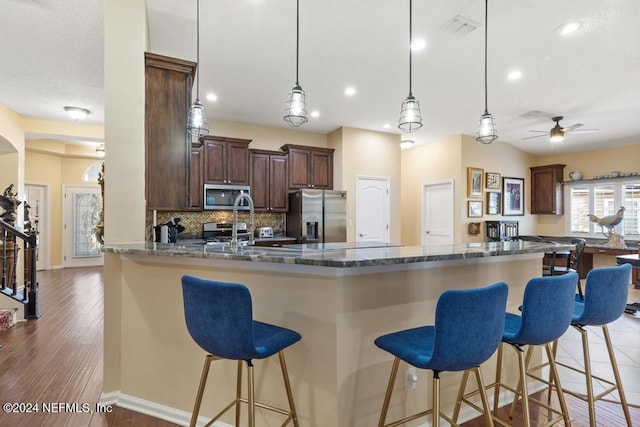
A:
[4,259]
[32,305]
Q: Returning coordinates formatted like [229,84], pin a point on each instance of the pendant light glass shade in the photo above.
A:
[295,112]
[197,116]
[487,132]
[410,116]
[197,120]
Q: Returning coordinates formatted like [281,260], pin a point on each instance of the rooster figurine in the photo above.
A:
[609,221]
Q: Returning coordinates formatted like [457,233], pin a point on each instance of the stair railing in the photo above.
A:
[9,236]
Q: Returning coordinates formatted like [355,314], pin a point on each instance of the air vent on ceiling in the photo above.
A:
[460,26]
[535,114]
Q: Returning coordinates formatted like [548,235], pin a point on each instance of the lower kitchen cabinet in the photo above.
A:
[268,180]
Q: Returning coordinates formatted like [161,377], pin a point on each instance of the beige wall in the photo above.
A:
[264,137]
[364,153]
[55,171]
[433,162]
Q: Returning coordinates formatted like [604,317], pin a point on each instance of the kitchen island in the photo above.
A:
[339,298]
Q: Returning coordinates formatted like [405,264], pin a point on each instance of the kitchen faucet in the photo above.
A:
[234,229]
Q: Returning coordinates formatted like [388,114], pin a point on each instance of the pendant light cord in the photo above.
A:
[198,52]
[486,28]
[410,41]
[297,37]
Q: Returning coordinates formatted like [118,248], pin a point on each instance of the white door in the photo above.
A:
[437,214]
[372,209]
[36,197]
[81,213]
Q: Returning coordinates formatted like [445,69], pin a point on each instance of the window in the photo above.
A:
[602,198]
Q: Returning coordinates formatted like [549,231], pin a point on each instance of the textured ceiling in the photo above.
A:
[52,56]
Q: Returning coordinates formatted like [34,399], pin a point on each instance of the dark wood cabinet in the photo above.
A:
[546,189]
[226,160]
[310,167]
[268,180]
[197,189]
[168,83]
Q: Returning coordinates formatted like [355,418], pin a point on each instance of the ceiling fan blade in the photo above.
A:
[540,131]
[572,127]
[586,130]
[537,136]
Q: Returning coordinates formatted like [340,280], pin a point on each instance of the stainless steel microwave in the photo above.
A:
[222,197]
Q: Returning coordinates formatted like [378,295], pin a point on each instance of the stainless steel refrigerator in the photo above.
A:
[317,216]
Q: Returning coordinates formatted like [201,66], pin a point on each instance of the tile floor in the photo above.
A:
[625,337]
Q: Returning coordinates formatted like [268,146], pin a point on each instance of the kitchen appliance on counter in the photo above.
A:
[221,197]
[317,216]
[219,233]
[264,232]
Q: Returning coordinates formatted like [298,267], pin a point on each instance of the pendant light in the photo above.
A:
[295,112]
[197,118]
[487,132]
[410,118]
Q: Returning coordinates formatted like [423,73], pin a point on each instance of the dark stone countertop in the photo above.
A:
[347,256]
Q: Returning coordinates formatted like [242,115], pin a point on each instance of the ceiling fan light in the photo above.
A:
[556,135]
[487,132]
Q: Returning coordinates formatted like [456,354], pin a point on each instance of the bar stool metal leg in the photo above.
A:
[203,382]
[483,396]
[460,398]
[238,392]
[251,395]
[496,391]
[287,386]
[387,396]
[436,399]
[589,378]
[616,374]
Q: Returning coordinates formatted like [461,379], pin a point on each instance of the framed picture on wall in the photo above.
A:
[512,196]
[475,209]
[493,202]
[492,180]
[474,182]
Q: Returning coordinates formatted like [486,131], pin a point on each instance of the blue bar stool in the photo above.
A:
[220,320]
[468,328]
[547,309]
[605,298]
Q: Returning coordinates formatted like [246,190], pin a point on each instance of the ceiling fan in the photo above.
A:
[556,134]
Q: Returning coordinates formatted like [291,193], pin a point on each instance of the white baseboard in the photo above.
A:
[153,409]
[183,418]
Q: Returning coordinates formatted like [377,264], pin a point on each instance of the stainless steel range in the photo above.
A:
[219,233]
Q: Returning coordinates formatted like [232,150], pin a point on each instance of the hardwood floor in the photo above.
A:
[58,360]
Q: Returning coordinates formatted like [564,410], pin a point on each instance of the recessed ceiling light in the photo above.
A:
[350,91]
[212,97]
[418,44]
[514,75]
[315,113]
[568,28]
[386,126]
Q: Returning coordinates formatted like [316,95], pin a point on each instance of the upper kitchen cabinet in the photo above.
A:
[310,167]
[226,160]
[168,83]
[546,189]
[269,175]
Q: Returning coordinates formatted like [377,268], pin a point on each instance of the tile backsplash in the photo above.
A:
[192,221]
